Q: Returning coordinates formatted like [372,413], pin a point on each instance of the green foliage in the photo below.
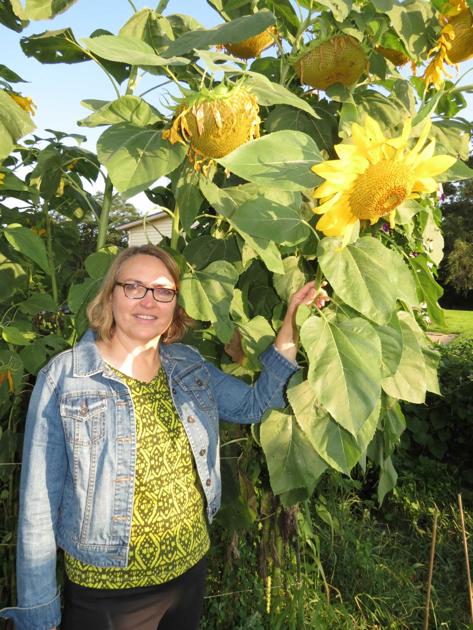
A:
[460,266]
[443,428]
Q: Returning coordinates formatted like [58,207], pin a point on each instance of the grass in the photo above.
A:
[460,322]
[370,562]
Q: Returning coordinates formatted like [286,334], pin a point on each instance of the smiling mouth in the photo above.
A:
[146,317]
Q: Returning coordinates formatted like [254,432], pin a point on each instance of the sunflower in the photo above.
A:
[373,175]
[25,102]
[454,45]
[212,123]
[340,59]
[252,46]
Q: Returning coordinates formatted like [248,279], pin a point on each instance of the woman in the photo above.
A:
[121,464]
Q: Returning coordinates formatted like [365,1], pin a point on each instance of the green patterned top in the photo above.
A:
[169,530]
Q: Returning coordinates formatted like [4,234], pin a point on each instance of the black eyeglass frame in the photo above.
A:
[146,289]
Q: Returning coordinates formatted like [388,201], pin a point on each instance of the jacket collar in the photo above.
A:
[87,359]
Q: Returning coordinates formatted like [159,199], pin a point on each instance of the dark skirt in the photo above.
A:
[174,605]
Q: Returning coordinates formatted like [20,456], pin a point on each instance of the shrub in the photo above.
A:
[443,427]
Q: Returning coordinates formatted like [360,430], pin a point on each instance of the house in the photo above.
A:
[149,229]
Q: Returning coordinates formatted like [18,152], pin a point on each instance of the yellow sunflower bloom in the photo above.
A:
[373,175]
[25,102]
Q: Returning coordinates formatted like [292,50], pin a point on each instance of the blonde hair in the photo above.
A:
[99,311]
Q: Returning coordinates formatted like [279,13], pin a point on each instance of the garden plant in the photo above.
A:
[299,140]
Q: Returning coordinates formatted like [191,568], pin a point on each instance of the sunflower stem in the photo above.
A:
[318,278]
[104,214]
[131,80]
[171,74]
[50,252]
[175,228]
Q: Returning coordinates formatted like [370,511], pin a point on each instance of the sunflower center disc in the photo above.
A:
[380,189]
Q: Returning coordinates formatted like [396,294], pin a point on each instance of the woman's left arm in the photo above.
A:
[239,402]
[288,336]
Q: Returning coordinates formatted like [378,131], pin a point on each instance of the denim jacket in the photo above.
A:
[79,456]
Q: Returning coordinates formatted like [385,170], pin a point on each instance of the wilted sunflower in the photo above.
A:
[252,46]
[25,102]
[340,59]
[214,122]
[373,175]
[454,45]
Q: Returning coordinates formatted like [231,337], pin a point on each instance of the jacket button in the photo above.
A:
[190,419]
[83,410]
[198,381]
[208,482]
[202,452]
[173,390]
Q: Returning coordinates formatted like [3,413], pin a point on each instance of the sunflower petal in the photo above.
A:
[335,221]
[434,166]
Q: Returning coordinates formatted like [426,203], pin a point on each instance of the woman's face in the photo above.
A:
[140,321]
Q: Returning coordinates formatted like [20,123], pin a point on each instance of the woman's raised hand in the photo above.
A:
[288,336]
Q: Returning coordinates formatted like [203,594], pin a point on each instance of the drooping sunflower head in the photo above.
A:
[214,122]
[454,45]
[252,46]
[340,59]
[25,102]
[373,175]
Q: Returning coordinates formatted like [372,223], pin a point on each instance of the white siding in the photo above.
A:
[151,232]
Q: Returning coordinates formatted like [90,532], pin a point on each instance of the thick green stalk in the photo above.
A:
[104,213]
[175,228]
[50,252]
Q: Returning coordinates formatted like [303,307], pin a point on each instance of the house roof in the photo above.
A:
[150,218]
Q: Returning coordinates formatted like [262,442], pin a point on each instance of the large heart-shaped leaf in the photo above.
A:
[339,448]
[40,9]
[428,288]
[207,294]
[29,244]
[126,109]
[59,46]
[136,157]
[282,159]
[292,461]
[263,218]
[409,381]
[344,368]
[227,202]
[129,50]
[367,276]
[269,93]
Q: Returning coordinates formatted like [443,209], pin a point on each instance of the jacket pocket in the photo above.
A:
[196,384]
[83,417]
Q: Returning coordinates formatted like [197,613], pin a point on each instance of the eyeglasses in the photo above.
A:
[136,291]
